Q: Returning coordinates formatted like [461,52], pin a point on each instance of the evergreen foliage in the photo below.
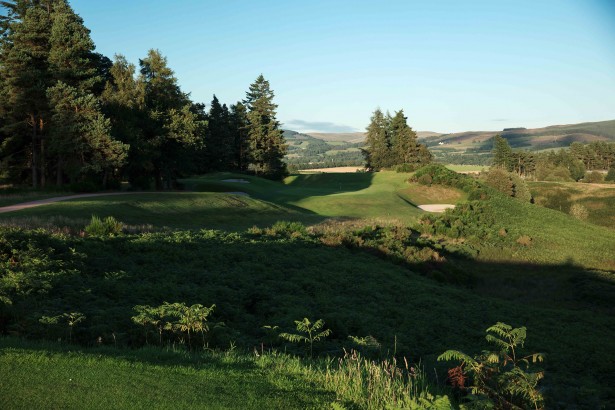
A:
[390,143]
[502,153]
[171,127]
[265,140]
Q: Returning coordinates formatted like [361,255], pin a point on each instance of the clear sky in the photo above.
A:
[452,65]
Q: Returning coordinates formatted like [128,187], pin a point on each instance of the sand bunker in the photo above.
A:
[436,207]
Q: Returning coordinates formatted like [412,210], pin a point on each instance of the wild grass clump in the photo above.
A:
[104,227]
[579,211]
[369,384]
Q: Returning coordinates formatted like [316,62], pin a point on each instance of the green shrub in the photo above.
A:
[594,177]
[610,176]
[405,168]
[521,190]
[425,180]
[499,179]
[104,227]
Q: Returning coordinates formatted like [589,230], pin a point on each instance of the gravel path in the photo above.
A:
[436,207]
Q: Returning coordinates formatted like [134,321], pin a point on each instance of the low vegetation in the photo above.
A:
[385,289]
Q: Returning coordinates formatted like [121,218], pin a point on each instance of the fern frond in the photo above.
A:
[492,358]
[294,338]
[499,342]
[456,355]
[500,328]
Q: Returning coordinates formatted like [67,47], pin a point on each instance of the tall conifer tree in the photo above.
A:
[171,126]
[266,142]
[377,151]
[239,130]
[25,77]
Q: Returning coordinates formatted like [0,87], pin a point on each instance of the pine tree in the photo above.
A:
[25,78]
[404,144]
[239,130]
[124,103]
[502,153]
[170,127]
[71,67]
[377,152]
[219,142]
[71,50]
[80,134]
[266,142]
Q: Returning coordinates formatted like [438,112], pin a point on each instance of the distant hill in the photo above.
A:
[339,136]
[555,136]
[319,149]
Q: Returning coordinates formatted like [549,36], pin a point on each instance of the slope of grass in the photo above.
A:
[263,279]
[598,199]
[52,376]
[159,210]
[351,195]
[559,282]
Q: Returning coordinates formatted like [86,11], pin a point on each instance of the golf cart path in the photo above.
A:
[436,207]
[32,204]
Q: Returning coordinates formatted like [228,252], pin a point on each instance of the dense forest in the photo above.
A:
[71,115]
[564,164]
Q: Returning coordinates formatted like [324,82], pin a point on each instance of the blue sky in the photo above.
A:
[451,65]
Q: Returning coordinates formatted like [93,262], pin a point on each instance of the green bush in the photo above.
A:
[104,227]
[425,180]
[610,176]
[594,177]
[405,168]
[499,179]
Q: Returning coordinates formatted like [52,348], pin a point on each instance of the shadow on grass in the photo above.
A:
[417,309]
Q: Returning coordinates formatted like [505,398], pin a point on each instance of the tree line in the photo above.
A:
[390,143]
[71,115]
[564,164]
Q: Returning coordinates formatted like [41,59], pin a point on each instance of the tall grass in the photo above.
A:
[380,384]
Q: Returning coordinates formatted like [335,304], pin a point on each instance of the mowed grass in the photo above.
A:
[598,199]
[38,376]
[351,195]
[183,210]
[305,198]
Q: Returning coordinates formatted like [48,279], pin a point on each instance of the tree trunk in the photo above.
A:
[59,180]
[42,161]
[34,154]
[105,176]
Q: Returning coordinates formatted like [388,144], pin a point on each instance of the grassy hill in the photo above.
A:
[416,294]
